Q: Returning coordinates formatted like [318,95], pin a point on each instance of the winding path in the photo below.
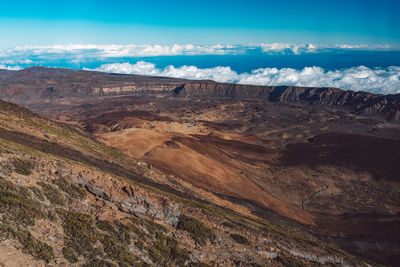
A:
[314,194]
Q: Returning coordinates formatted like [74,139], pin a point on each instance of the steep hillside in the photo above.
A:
[59,208]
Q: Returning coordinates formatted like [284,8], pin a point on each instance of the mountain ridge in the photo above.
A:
[67,83]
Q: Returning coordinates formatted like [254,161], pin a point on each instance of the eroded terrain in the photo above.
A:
[324,169]
[327,165]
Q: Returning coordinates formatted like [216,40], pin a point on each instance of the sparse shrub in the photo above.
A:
[240,239]
[30,244]
[106,226]
[155,254]
[197,230]
[228,224]
[199,264]
[123,233]
[165,250]
[34,246]
[149,225]
[73,190]
[80,231]
[180,256]
[98,263]
[139,244]
[69,254]
[22,166]
[52,194]
[152,227]
[291,262]
[135,229]
[51,215]
[38,193]
[16,204]
[5,230]
[116,251]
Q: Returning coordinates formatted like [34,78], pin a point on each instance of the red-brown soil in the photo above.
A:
[321,159]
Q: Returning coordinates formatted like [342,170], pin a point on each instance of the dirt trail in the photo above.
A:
[303,203]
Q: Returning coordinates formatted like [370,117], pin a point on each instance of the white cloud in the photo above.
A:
[77,53]
[4,67]
[378,80]
[141,68]
[220,74]
[285,48]
[107,51]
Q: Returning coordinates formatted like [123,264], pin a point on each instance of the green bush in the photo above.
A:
[199,264]
[69,254]
[38,193]
[106,226]
[30,244]
[99,263]
[52,194]
[80,232]
[240,239]
[6,231]
[228,224]
[116,251]
[16,204]
[34,246]
[291,262]
[51,215]
[73,190]
[139,244]
[123,233]
[197,230]
[22,166]
[166,249]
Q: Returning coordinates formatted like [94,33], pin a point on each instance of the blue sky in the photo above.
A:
[349,44]
[44,22]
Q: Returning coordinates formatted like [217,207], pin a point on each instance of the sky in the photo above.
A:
[351,44]
[45,22]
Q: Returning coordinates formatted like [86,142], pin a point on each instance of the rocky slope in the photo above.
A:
[363,103]
[58,209]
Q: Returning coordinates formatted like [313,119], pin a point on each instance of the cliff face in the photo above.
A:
[363,103]
[45,83]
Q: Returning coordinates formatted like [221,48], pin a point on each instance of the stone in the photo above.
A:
[268,254]
[128,206]
[96,190]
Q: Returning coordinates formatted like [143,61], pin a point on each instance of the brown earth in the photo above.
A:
[320,159]
[326,169]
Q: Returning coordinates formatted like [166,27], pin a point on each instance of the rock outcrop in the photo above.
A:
[363,103]
[132,199]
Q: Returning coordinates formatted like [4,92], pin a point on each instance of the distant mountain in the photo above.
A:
[35,83]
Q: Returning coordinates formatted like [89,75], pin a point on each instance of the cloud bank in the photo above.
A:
[297,49]
[377,80]
[4,67]
[77,53]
